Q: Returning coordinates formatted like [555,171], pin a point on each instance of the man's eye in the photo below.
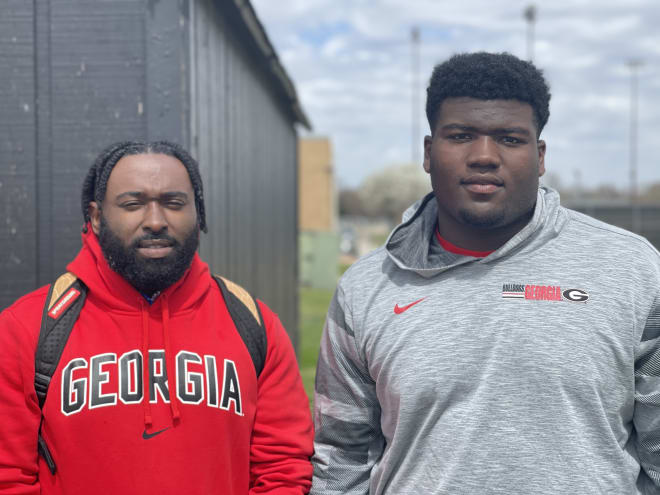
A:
[131,205]
[175,205]
[510,140]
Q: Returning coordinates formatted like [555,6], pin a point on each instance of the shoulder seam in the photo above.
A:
[627,235]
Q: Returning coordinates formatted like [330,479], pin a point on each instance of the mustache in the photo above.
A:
[154,236]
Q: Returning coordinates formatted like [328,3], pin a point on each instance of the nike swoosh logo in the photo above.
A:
[147,436]
[400,309]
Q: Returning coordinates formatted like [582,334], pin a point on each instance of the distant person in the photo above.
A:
[498,343]
[171,381]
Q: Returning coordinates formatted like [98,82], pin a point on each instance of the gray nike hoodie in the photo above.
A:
[534,370]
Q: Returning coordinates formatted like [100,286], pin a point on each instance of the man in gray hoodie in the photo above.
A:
[498,343]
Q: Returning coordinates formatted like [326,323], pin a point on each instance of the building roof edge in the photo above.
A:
[274,66]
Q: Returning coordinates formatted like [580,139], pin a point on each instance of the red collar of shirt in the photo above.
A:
[448,246]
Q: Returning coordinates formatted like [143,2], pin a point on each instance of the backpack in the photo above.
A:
[64,302]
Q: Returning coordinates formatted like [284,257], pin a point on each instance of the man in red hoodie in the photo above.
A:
[155,391]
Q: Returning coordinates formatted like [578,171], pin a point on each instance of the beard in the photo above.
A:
[148,275]
[494,218]
[482,221]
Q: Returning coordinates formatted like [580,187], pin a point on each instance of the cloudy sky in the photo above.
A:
[351,63]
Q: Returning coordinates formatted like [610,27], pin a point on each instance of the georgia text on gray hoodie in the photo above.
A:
[534,370]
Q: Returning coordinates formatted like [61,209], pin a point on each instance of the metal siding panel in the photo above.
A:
[246,145]
[43,223]
[243,165]
[18,236]
[98,79]
[218,127]
[166,71]
[209,108]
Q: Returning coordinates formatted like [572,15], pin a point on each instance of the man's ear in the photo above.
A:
[541,147]
[95,216]
[428,142]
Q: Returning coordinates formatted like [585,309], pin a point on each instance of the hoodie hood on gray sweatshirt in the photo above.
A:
[408,245]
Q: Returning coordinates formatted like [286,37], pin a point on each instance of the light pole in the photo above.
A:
[634,65]
[530,16]
[414,67]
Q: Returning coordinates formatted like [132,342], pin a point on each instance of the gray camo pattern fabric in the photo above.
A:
[469,392]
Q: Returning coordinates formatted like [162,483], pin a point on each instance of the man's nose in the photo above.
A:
[154,217]
[484,153]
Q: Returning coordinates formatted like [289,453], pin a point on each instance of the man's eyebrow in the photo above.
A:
[165,195]
[458,127]
[501,130]
[512,130]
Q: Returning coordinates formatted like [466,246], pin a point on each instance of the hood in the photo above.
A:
[408,244]
[113,291]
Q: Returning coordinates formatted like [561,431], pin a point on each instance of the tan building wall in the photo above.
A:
[317,209]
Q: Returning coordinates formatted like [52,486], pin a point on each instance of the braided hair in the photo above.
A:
[488,76]
[96,181]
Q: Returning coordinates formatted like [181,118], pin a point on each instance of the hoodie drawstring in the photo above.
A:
[146,405]
[169,365]
[169,360]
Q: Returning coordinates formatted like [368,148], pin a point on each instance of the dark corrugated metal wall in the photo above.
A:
[18,176]
[76,75]
[247,153]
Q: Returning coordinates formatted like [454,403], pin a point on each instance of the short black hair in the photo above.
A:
[96,181]
[488,76]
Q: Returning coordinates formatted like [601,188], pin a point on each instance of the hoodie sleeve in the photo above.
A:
[346,410]
[282,435]
[19,409]
[647,403]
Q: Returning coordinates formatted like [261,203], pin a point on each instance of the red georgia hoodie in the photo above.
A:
[210,426]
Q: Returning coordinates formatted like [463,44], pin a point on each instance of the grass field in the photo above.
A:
[313,307]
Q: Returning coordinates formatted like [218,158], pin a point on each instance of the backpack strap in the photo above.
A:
[63,304]
[244,310]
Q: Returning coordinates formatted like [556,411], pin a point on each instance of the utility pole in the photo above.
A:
[414,67]
[530,16]
[634,65]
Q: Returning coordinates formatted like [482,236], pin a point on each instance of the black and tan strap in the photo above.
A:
[247,318]
[63,304]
